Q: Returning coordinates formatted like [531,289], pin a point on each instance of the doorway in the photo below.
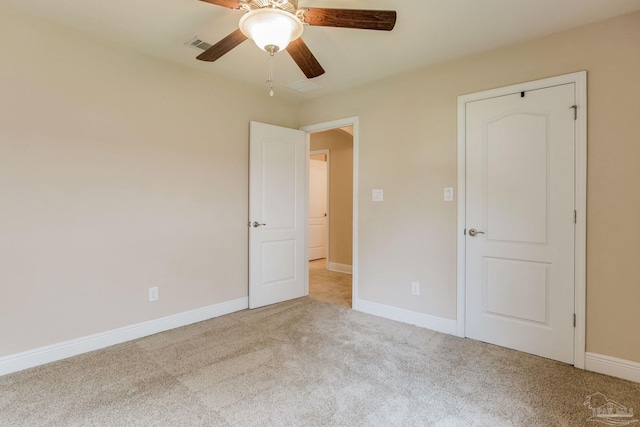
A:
[331,224]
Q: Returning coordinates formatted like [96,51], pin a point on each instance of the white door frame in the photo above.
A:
[580,81]
[326,153]
[336,124]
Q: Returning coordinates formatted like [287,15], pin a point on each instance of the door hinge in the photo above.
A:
[574,320]
[575,112]
[575,217]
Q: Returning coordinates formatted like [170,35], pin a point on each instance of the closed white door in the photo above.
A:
[317,209]
[520,171]
[277,214]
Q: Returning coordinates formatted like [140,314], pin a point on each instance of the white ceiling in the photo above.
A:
[427,32]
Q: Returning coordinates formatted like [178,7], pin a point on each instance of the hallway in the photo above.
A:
[329,286]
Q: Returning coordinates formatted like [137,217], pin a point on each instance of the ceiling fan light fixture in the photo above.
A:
[271,29]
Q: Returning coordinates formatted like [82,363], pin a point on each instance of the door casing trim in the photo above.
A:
[580,81]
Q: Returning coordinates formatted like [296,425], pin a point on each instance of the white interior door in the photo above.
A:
[317,209]
[520,172]
[277,214]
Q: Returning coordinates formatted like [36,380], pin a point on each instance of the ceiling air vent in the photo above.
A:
[196,43]
[303,86]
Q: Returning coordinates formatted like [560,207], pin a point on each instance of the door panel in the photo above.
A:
[520,198]
[528,300]
[516,177]
[277,181]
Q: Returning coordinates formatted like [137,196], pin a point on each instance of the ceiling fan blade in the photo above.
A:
[304,58]
[223,46]
[362,19]
[231,4]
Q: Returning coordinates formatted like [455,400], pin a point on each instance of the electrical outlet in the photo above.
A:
[415,288]
[153,294]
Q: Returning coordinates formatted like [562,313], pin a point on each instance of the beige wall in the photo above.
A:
[408,148]
[340,146]
[118,172]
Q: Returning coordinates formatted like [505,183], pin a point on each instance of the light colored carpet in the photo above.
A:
[305,363]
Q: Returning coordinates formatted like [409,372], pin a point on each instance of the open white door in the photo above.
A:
[277,214]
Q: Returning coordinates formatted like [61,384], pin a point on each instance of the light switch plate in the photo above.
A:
[448,194]
[377,195]
[153,294]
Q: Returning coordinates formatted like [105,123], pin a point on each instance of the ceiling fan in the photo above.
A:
[278,24]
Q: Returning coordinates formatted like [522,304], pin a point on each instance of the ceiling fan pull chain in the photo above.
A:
[270,81]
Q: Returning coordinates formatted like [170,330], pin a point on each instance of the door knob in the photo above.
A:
[473,232]
[257,224]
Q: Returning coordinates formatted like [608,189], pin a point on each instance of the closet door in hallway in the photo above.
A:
[317,206]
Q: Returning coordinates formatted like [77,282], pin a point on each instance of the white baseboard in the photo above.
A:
[434,323]
[613,366]
[51,353]
[340,268]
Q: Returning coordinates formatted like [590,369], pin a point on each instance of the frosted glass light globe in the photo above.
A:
[271,27]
